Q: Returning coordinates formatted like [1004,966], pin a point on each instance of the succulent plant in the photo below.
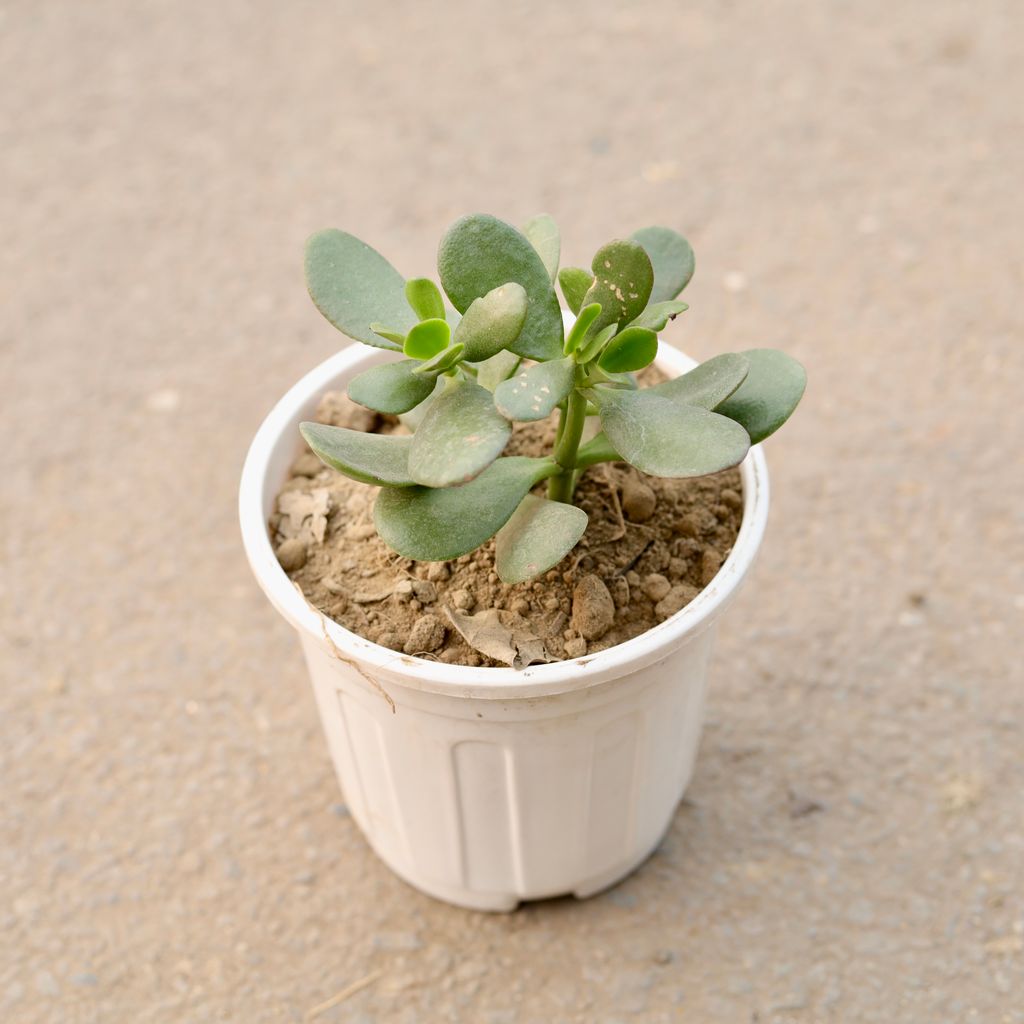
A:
[501,355]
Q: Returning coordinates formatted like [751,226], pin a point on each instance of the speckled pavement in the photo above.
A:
[174,847]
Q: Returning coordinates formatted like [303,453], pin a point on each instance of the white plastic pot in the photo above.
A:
[487,786]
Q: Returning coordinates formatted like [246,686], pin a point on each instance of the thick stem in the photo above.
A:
[561,487]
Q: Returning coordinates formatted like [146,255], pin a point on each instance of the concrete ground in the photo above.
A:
[174,846]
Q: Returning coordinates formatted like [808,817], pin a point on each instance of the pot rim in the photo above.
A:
[465,681]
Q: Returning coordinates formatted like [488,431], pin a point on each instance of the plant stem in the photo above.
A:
[561,487]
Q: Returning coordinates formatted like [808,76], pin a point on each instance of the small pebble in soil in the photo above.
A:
[620,592]
[438,572]
[638,501]
[463,600]
[403,589]
[428,633]
[575,648]
[593,610]
[656,586]
[675,600]
[425,591]
[710,563]
[521,606]
[291,554]
[688,525]
[731,499]
[391,640]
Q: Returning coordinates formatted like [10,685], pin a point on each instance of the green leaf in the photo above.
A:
[579,329]
[444,360]
[623,278]
[480,253]
[768,396]
[597,449]
[425,298]
[667,438]
[538,536]
[708,384]
[388,334]
[532,394]
[595,346]
[354,286]
[427,338]
[631,349]
[461,435]
[542,231]
[434,524]
[575,281]
[493,321]
[391,387]
[672,258]
[379,459]
[658,314]
[414,417]
[491,372]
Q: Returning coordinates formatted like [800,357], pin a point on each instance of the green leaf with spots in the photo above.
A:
[493,322]
[579,329]
[767,397]
[491,372]
[425,298]
[630,350]
[354,286]
[667,438]
[623,278]
[708,384]
[533,393]
[436,524]
[478,254]
[391,387]
[377,459]
[672,258]
[427,339]
[538,536]
[461,434]
[542,231]
[575,282]
[658,314]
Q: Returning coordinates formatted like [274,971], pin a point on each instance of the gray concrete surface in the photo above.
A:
[173,843]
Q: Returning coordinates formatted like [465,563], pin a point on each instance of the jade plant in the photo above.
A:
[499,354]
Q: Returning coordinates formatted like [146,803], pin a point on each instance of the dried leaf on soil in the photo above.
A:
[305,515]
[501,635]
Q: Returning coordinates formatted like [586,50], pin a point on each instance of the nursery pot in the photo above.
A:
[488,786]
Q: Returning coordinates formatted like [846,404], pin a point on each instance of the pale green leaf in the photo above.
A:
[542,231]
[672,258]
[623,278]
[769,394]
[575,281]
[427,339]
[667,438]
[435,524]
[708,384]
[354,286]
[533,393]
[493,322]
[538,536]
[478,254]
[461,434]
[444,360]
[379,459]
[596,345]
[425,298]
[658,314]
[630,350]
[579,329]
[491,372]
[391,387]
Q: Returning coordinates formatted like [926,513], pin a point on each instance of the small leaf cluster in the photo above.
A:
[497,353]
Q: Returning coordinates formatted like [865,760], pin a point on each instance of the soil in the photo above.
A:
[651,545]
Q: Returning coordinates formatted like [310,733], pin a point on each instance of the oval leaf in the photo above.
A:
[434,524]
[667,438]
[493,322]
[708,384]
[769,394]
[354,286]
[672,258]
[461,434]
[425,298]
[444,360]
[538,536]
[658,314]
[427,339]
[479,253]
[623,278]
[579,329]
[379,459]
[542,231]
[631,349]
[532,394]
[575,282]
[391,387]
[491,372]
[596,345]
